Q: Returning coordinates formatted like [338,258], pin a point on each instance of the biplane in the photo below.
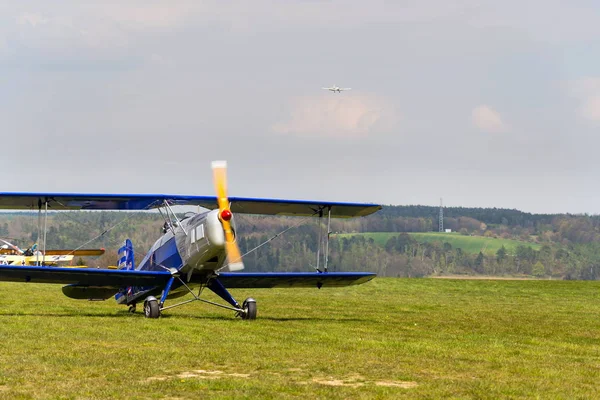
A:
[11,254]
[195,252]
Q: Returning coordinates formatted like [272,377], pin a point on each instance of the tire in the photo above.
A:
[151,308]
[249,308]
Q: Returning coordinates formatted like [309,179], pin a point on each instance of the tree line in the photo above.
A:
[568,246]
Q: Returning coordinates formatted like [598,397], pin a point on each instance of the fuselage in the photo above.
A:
[193,247]
[196,243]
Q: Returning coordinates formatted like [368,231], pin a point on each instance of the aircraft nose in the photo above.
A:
[214,229]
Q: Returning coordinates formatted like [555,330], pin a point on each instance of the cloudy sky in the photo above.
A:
[487,104]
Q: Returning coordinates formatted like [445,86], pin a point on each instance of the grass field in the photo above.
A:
[469,244]
[390,338]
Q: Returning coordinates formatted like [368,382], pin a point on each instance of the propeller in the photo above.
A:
[234,256]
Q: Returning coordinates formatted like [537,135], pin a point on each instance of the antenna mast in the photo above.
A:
[441,216]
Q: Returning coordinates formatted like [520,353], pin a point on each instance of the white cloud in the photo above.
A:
[585,86]
[587,91]
[591,108]
[337,115]
[487,119]
[31,19]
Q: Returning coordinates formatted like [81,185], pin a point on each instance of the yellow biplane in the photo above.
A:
[11,254]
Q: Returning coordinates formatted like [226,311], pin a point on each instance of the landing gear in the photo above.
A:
[132,308]
[249,309]
[151,308]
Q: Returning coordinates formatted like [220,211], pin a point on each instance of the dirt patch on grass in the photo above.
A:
[239,375]
[353,381]
[337,382]
[156,378]
[358,381]
[400,384]
[199,373]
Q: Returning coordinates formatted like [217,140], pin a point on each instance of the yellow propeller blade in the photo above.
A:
[231,248]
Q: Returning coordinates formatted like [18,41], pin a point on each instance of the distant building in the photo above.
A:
[448,230]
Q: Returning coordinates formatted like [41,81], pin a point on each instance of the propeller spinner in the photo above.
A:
[234,257]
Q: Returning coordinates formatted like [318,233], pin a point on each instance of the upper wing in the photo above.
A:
[83,276]
[346,88]
[81,201]
[293,279]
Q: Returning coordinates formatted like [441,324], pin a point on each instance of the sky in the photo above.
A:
[483,104]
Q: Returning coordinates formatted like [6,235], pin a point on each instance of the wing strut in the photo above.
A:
[168,219]
[328,235]
[42,235]
[45,230]
[320,222]
[37,254]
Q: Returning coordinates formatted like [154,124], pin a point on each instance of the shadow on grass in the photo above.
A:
[126,314]
[68,315]
[279,319]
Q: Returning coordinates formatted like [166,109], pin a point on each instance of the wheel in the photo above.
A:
[132,308]
[151,308]
[249,308]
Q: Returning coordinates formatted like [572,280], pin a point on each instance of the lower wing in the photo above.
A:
[115,278]
[293,279]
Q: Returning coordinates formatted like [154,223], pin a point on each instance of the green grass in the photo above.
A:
[469,244]
[440,338]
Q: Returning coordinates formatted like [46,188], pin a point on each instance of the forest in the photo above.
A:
[551,246]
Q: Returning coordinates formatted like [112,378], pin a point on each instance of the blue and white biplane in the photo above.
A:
[195,252]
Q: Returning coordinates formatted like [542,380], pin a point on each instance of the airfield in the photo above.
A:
[389,338]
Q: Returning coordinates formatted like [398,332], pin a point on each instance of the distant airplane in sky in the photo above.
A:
[335,88]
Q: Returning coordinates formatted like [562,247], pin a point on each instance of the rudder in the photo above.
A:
[126,257]
[125,260]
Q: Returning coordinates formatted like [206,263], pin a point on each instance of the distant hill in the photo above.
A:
[469,244]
